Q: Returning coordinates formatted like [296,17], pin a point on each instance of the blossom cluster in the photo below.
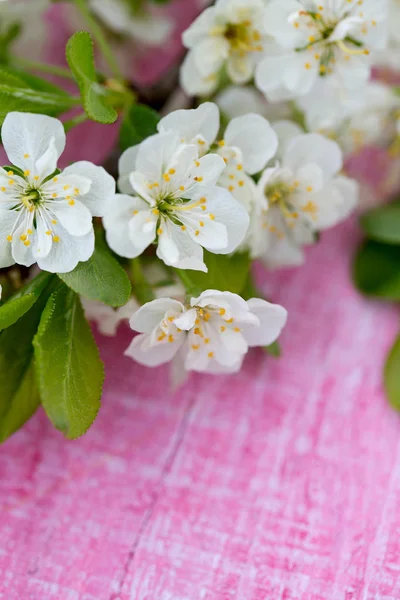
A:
[257,167]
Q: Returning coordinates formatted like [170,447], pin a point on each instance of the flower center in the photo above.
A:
[32,198]
[320,30]
[279,194]
[242,37]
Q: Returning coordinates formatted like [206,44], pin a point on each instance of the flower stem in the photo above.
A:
[44,68]
[141,287]
[98,34]
[81,118]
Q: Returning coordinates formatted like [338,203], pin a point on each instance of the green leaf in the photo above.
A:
[18,397]
[392,376]
[139,123]
[225,273]
[383,224]
[23,405]
[69,371]
[22,301]
[100,278]
[376,270]
[33,81]
[80,57]
[17,96]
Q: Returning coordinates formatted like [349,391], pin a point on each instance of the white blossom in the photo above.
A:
[214,333]
[353,119]
[301,195]
[140,24]
[320,38]
[249,142]
[46,215]
[176,202]
[229,34]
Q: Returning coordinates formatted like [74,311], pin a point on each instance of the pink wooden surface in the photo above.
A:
[280,483]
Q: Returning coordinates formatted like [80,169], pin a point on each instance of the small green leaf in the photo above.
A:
[376,270]
[274,350]
[69,371]
[383,224]
[80,57]
[139,123]
[18,397]
[392,376]
[22,301]
[225,273]
[100,278]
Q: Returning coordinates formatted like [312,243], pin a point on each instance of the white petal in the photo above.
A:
[66,186]
[191,80]
[177,249]
[149,355]
[277,22]
[68,252]
[240,68]
[189,124]
[155,153]
[151,314]
[272,319]
[44,238]
[7,220]
[76,218]
[286,131]
[187,320]
[126,166]
[102,189]
[210,55]
[233,304]
[256,140]
[208,171]
[236,101]
[207,232]
[226,210]
[200,28]
[20,248]
[142,229]
[150,29]
[27,137]
[116,223]
[313,148]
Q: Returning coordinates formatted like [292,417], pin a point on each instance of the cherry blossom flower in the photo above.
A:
[353,119]
[249,142]
[108,319]
[301,195]
[46,215]
[213,334]
[176,202]
[229,34]
[320,38]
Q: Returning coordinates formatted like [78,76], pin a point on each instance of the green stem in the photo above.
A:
[98,34]
[81,118]
[141,288]
[38,66]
